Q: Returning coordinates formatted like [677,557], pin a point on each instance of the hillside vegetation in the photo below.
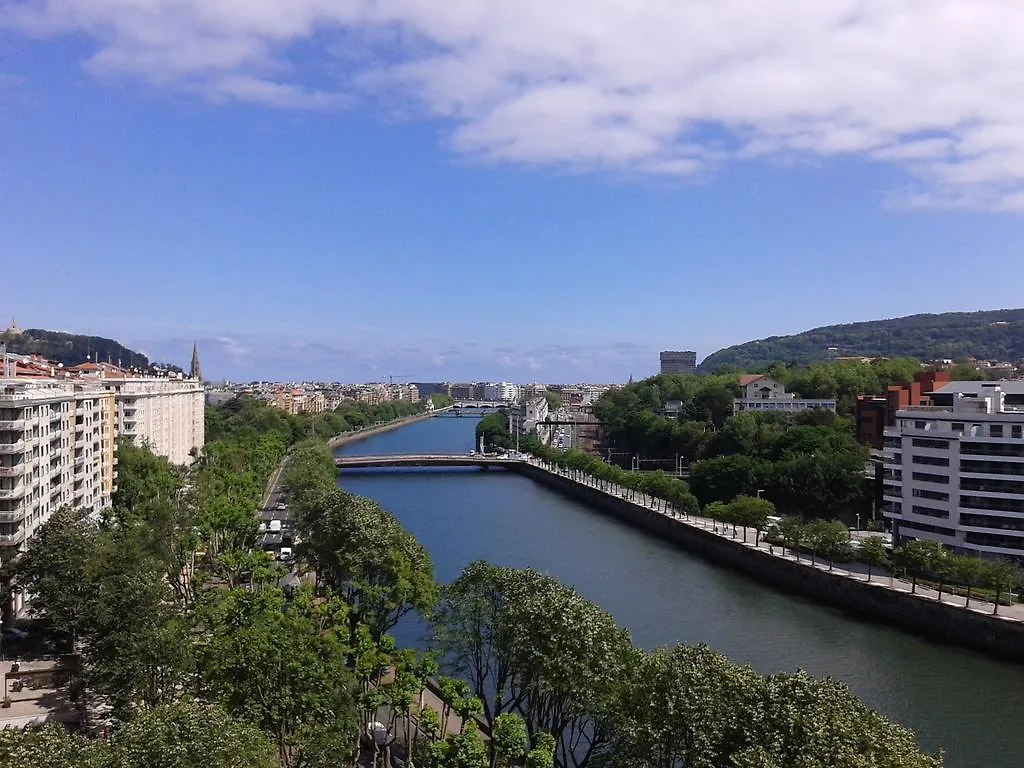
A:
[72,348]
[992,335]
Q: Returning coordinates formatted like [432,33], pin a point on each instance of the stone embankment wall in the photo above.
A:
[353,437]
[937,621]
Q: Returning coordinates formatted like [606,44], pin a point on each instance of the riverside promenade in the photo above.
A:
[745,538]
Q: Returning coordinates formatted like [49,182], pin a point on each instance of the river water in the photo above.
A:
[955,699]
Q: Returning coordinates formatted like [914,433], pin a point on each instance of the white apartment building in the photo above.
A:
[507,392]
[954,470]
[57,448]
[764,394]
[165,414]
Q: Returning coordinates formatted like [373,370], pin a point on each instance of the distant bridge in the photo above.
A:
[480,404]
[425,460]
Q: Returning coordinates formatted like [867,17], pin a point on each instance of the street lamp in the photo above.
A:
[759,492]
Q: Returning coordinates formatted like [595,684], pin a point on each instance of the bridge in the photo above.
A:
[479,404]
[484,461]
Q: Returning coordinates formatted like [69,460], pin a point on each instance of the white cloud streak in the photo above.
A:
[664,87]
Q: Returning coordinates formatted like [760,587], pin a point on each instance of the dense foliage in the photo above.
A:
[493,430]
[72,349]
[992,335]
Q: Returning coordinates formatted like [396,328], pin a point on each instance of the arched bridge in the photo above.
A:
[425,460]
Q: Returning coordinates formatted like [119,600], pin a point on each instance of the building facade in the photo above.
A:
[762,394]
[165,414]
[57,449]
[954,469]
[680,363]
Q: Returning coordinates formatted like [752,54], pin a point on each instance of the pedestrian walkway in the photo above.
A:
[856,571]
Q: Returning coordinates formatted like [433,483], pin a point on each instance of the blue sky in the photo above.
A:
[339,189]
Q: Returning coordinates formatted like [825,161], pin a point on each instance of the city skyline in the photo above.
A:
[343,191]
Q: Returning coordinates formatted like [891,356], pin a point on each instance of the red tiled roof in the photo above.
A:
[750,378]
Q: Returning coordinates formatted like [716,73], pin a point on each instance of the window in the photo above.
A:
[930,511]
[909,529]
[958,427]
[992,521]
[995,540]
[924,493]
[996,430]
[935,461]
[1016,431]
[926,477]
[919,425]
[927,442]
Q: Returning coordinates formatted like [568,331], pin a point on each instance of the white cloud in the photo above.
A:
[653,86]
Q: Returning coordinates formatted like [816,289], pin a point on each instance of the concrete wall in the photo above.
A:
[937,621]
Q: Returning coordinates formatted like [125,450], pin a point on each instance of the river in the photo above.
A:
[955,699]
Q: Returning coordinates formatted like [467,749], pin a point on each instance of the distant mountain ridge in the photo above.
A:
[72,349]
[990,335]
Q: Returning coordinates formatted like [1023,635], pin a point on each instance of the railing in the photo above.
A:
[12,538]
[12,424]
[12,516]
[15,447]
[12,493]
[17,471]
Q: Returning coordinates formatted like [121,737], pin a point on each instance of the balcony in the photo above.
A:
[12,424]
[12,539]
[12,493]
[17,471]
[16,447]
[12,516]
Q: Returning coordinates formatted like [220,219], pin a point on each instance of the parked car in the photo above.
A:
[285,553]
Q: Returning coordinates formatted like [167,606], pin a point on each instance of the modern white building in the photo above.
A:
[954,470]
[764,394]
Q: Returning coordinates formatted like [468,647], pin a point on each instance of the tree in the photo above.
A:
[494,430]
[968,571]
[1002,576]
[915,559]
[872,553]
[190,735]
[56,570]
[509,740]
[52,747]
[830,538]
[365,556]
[791,528]
[751,512]
[530,645]
[281,667]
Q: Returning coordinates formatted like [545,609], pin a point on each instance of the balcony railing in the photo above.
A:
[10,539]
[12,493]
[12,516]
[12,423]
[17,471]
[15,447]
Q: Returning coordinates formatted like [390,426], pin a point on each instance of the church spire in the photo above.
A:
[196,372]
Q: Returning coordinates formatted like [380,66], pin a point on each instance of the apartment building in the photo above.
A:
[57,448]
[954,469]
[763,394]
[165,414]
[679,363]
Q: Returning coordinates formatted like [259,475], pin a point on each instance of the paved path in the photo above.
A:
[856,571]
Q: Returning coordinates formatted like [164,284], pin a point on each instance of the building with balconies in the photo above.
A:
[165,414]
[954,469]
[57,448]
[762,394]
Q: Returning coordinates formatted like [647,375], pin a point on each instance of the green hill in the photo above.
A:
[72,349]
[992,335]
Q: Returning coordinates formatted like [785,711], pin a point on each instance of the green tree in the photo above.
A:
[190,735]
[751,512]
[282,667]
[1002,576]
[968,571]
[791,528]
[493,428]
[365,556]
[56,569]
[509,740]
[872,553]
[531,645]
[52,747]
[915,559]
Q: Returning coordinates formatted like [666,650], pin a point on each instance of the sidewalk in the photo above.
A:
[856,571]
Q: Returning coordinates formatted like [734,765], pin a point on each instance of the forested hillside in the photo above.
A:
[992,335]
[72,349]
